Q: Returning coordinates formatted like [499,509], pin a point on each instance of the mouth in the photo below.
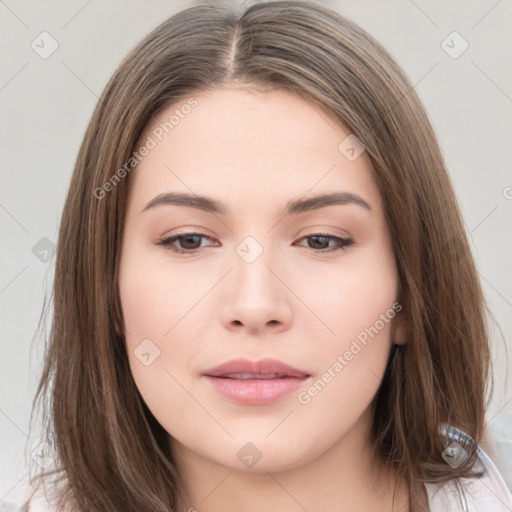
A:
[255,383]
[251,376]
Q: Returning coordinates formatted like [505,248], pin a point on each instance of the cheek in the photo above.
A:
[155,295]
[357,305]
[165,321]
[152,311]
[353,302]
[149,309]
[352,296]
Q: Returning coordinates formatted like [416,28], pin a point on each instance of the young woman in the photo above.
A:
[264,296]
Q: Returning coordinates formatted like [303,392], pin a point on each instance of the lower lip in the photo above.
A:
[255,391]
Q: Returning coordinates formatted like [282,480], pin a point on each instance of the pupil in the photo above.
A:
[315,239]
[189,239]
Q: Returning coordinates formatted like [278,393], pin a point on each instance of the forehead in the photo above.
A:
[240,142]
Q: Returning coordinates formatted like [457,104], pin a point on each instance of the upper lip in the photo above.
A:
[263,367]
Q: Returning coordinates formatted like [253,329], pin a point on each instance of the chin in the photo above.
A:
[262,455]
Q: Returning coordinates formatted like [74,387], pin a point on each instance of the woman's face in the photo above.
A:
[298,293]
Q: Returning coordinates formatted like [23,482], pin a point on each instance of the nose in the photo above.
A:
[255,298]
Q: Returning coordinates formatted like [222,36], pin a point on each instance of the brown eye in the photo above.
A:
[320,242]
[188,243]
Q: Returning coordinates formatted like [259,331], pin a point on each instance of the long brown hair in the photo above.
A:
[111,452]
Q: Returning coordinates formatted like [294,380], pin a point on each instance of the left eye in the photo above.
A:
[321,240]
[190,243]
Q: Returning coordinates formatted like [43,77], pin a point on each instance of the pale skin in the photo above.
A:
[299,302]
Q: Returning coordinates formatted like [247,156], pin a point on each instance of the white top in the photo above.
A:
[489,493]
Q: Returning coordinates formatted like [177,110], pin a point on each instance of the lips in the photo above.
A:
[255,383]
[245,369]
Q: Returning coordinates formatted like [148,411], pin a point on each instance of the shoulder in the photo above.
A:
[487,492]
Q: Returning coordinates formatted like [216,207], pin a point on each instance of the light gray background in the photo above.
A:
[46,103]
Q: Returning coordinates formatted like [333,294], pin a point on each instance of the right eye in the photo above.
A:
[188,242]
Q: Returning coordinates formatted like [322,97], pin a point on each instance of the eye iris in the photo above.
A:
[193,239]
[323,240]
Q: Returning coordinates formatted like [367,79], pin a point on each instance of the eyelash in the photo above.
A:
[341,243]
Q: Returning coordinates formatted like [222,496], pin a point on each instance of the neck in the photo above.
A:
[344,478]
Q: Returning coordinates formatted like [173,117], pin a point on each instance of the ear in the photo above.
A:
[117,327]
[119,332]
[401,328]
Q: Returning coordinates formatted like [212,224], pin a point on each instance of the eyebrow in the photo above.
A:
[293,207]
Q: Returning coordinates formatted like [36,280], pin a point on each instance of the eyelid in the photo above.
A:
[166,241]
[342,242]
